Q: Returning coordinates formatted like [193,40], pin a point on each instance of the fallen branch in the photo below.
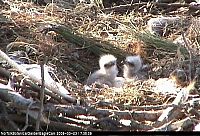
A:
[157,42]
[53,87]
[92,45]
[164,127]
[171,112]
[184,124]
[56,126]
[176,5]
[124,8]
[27,118]
[10,96]
[73,111]
[5,120]
[5,73]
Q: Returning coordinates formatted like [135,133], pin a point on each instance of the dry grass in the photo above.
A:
[29,19]
[87,20]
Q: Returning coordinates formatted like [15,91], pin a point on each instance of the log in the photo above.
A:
[156,42]
[91,44]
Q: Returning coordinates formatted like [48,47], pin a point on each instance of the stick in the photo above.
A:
[190,55]
[41,97]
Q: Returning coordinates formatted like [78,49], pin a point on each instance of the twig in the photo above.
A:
[190,56]
[41,97]
[27,111]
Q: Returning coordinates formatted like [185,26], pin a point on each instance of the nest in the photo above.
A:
[70,42]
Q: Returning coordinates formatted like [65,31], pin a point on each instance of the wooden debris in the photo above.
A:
[83,42]
[181,97]
[172,6]
[159,43]
[70,48]
[54,88]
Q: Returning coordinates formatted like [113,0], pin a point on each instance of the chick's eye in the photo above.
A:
[129,63]
[110,64]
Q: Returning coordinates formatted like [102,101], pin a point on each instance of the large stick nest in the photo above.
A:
[70,37]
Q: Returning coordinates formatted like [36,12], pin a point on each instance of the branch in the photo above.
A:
[171,112]
[5,73]
[53,87]
[124,8]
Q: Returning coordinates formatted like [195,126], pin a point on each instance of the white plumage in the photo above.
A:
[132,67]
[107,73]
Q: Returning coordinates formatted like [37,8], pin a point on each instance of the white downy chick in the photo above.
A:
[132,68]
[107,73]
[119,82]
